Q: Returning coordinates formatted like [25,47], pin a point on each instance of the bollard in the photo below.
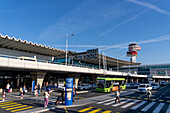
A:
[36,93]
[3,96]
[21,94]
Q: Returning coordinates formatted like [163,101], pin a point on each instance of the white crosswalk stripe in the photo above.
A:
[158,108]
[129,104]
[138,105]
[148,106]
[112,102]
[168,110]
[118,104]
[106,101]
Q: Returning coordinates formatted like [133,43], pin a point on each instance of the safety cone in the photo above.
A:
[3,96]
[21,94]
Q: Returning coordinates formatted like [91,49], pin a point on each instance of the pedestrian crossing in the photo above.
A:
[14,106]
[133,104]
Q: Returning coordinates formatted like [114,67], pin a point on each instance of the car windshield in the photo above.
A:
[153,84]
[142,85]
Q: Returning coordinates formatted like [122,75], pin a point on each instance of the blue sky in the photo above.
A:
[96,24]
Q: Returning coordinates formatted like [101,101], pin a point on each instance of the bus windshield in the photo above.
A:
[100,83]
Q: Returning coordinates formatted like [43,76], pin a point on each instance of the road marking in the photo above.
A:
[153,99]
[137,106]
[16,107]
[107,111]
[86,109]
[168,110]
[118,104]
[11,105]
[161,100]
[94,111]
[127,105]
[113,102]
[109,103]
[8,104]
[167,97]
[158,108]
[146,98]
[168,101]
[5,102]
[148,106]
[133,97]
[22,109]
[66,110]
[106,101]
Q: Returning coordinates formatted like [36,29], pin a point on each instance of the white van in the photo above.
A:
[144,87]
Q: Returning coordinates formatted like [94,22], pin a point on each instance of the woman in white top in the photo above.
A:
[46,96]
[117,93]
[7,87]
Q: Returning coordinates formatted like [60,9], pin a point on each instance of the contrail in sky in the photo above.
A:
[151,6]
[162,38]
[124,22]
[122,46]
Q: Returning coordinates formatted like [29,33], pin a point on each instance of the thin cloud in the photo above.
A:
[151,6]
[94,46]
[124,22]
[121,46]
[162,38]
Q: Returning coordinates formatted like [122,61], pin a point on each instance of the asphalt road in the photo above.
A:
[133,103]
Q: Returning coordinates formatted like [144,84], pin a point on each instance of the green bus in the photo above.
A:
[110,84]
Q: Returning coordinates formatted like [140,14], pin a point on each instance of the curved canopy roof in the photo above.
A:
[25,46]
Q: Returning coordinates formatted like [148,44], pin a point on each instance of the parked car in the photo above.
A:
[132,84]
[162,83]
[84,86]
[127,85]
[137,84]
[144,87]
[155,86]
[61,88]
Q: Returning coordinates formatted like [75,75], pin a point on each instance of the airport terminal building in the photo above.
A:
[23,62]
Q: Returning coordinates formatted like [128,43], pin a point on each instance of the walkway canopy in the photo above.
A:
[25,46]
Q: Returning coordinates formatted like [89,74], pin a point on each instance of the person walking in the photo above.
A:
[24,90]
[149,94]
[62,96]
[117,93]
[46,96]
[7,87]
[38,88]
[74,93]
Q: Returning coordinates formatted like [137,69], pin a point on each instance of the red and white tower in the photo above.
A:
[133,51]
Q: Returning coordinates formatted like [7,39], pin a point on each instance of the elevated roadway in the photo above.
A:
[11,63]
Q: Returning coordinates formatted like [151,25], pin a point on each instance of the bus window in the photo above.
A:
[108,84]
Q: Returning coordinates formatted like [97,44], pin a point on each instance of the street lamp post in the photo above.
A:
[66,44]
[100,56]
